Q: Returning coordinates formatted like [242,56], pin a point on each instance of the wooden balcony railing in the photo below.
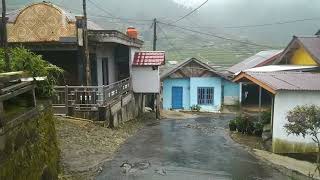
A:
[90,98]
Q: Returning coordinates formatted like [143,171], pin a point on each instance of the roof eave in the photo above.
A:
[113,36]
[265,86]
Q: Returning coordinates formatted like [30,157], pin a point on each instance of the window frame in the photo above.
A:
[205,95]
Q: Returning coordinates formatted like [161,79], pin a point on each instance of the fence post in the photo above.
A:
[69,112]
[2,122]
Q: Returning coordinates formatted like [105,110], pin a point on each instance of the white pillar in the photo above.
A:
[240,95]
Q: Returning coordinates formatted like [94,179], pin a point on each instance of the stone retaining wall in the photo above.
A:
[29,150]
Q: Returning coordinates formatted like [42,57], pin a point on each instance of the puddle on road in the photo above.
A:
[204,128]
[128,168]
[153,124]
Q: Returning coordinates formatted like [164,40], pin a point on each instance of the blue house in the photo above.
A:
[193,82]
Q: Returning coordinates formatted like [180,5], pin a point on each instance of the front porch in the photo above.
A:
[114,103]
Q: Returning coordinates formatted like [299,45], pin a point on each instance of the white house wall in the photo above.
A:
[145,79]
[286,101]
[106,51]
[132,50]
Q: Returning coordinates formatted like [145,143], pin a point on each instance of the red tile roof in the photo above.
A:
[149,58]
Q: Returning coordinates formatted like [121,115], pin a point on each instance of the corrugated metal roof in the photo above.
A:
[260,59]
[310,44]
[275,68]
[168,72]
[294,81]
[149,58]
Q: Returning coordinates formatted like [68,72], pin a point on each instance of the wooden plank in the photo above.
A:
[16,93]
[243,75]
[11,76]
[14,87]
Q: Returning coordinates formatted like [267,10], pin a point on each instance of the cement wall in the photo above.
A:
[145,79]
[125,110]
[106,51]
[231,93]
[286,101]
[214,82]
[29,149]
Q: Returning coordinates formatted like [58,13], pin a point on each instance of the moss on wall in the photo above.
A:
[283,146]
[30,150]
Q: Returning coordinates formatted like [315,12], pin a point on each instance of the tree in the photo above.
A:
[24,60]
[305,121]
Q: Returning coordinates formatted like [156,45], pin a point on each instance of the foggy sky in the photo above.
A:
[216,13]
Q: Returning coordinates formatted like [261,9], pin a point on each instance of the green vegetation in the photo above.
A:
[23,60]
[196,108]
[30,149]
[305,121]
[266,117]
[246,125]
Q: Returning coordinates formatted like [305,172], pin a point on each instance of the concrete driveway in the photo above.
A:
[198,148]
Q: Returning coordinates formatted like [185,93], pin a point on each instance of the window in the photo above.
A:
[205,95]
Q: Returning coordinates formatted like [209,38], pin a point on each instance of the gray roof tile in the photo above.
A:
[297,81]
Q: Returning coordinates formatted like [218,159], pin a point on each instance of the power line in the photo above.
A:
[169,41]
[216,36]
[190,12]
[124,19]
[104,16]
[259,25]
[100,7]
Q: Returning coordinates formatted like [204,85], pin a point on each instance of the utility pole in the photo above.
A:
[154,34]
[4,36]
[157,95]
[86,44]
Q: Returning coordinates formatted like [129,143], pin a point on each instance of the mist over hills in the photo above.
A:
[218,17]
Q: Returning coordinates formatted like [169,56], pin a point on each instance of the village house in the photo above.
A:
[288,90]
[260,59]
[56,34]
[193,83]
[292,80]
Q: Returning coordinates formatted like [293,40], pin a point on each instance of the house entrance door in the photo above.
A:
[177,95]
[105,71]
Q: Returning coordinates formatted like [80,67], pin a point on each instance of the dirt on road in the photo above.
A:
[85,146]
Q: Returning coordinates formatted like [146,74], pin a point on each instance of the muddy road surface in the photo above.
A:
[198,148]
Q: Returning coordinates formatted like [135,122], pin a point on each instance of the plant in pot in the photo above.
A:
[232,125]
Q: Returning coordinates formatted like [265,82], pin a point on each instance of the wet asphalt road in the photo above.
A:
[185,150]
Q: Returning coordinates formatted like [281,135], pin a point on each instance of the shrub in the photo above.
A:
[304,121]
[244,125]
[258,128]
[24,60]
[232,125]
[266,117]
[196,108]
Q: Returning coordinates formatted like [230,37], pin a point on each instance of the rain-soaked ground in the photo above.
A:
[197,148]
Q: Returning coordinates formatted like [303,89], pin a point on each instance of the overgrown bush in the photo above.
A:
[196,108]
[266,117]
[246,125]
[232,125]
[24,60]
[305,121]
[258,128]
